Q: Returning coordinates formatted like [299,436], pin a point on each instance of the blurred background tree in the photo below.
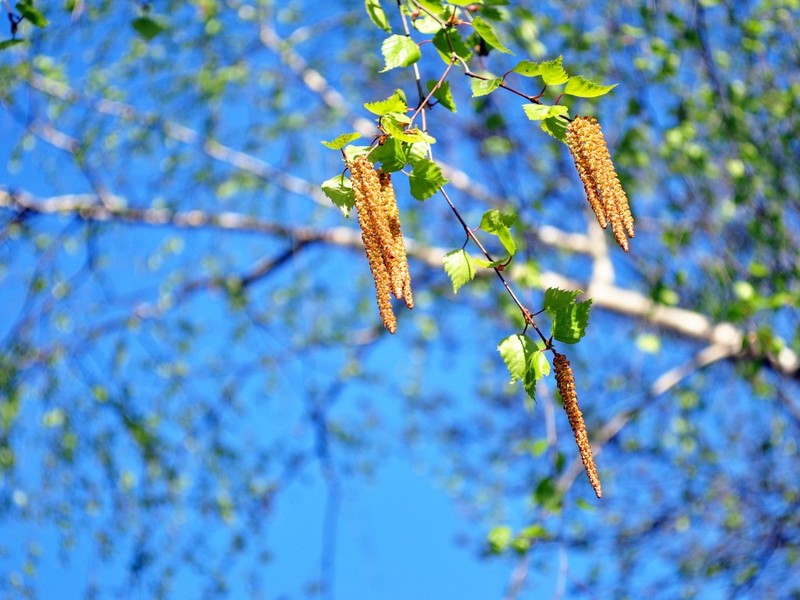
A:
[189,332]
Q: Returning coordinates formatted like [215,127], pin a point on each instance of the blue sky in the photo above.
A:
[209,376]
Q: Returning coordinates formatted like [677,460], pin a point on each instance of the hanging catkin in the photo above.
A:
[600,181]
[566,387]
[379,219]
[374,233]
[398,266]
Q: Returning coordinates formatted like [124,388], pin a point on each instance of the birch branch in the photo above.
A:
[725,338]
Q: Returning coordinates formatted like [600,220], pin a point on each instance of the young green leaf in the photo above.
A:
[548,495]
[552,71]
[27,10]
[340,141]
[527,68]
[539,365]
[497,223]
[487,32]
[482,87]
[390,154]
[570,322]
[499,539]
[340,191]
[464,2]
[426,179]
[537,112]
[517,350]
[460,267]
[148,28]
[448,41]
[399,117]
[555,298]
[8,43]
[417,152]
[396,103]
[376,14]
[529,385]
[395,125]
[493,264]
[434,6]
[583,88]
[443,95]
[556,127]
[352,152]
[427,24]
[399,51]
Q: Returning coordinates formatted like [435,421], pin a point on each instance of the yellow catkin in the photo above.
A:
[375,233]
[600,181]
[398,266]
[566,387]
[581,160]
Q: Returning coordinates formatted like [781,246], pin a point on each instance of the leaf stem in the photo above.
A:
[407,32]
[526,314]
[427,99]
[468,73]
[429,13]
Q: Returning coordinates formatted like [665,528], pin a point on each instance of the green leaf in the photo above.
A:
[497,223]
[487,32]
[340,141]
[31,14]
[426,179]
[491,264]
[417,152]
[535,531]
[539,365]
[529,385]
[396,103]
[148,28]
[395,125]
[376,14]
[443,94]
[460,267]
[649,343]
[527,68]
[555,298]
[517,351]
[583,88]
[556,127]
[426,24]
[340,191]
[552,71]
[399,51]
[400,118]
[464,2]
[537,112]
[570,322]
[434,6]
[352,152]
[445,38]
[499,539]
[493,219]
[8,43]
[482,87]
[547,495]
[390,154]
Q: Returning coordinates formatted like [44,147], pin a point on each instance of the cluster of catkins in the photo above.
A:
[566,387]
[603,189]
[379,219]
